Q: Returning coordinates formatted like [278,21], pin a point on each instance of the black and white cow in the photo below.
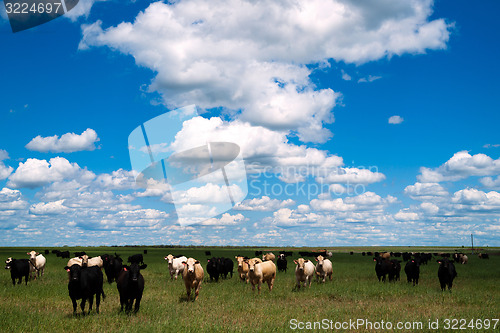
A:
[19,268]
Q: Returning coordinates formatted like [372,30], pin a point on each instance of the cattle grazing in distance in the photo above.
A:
[84,283]
[304,272]
[175,266]
[130,284]
[208,253]
[192,276]
[281,263]
[484,256]
[406,256]
[242,268]
[287,253]
[446,273]
[37,264]
[46,252]
[258,253]
[112,266]
[79,254]
[136,259]
[386,255]
[19,268]
[62,254]
[323,268]
[363,254]
[260,272]
[412,271]
[382,268]
[395,270]
[351,253]
[145,251]
[268,256]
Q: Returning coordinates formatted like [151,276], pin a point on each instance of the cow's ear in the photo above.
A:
[306,260]
[295,261]
[143,266]
[66,268]
[184,263]
[196,262]
[27,253]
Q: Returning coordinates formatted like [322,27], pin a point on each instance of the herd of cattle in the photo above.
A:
[85,277]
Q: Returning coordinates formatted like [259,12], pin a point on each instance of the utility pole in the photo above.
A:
[472,242]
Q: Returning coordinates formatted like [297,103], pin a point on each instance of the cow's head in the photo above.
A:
[169,259]
[320,260]
[252,263]
[300,263]
[8,263]
[32,254]
[134,271]
[74,272]
[189,265]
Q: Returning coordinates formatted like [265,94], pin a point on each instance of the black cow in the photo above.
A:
[145,251]
[112,266]
[446,273]
[484,256]
[258,253]
[363,253]
[213,269]
[281,263]
[63,254]
[18,268]
[46,252]
[382,268]
[412,271]
[79,254]
[55,252]
[394,270]
[227,267]
[208,253]
[84,283]
[130,284]
[136,259]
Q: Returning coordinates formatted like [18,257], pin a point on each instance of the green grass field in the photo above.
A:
[230,305]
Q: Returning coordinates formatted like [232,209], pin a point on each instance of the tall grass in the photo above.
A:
[229,305]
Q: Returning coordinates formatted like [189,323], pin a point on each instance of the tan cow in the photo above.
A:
[192,276]
[242,268]
[259,272]
[268,257]
[386,255]
[304,272]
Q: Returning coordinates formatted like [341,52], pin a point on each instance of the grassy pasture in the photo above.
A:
[230,305]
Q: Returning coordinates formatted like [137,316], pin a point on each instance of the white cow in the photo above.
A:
[323,268]
[37,264]
[304,272]
[175,265]
[85,261]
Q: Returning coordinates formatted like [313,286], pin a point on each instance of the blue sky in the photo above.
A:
[298,85]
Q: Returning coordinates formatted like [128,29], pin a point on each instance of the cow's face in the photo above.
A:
[282,256]
[135,271]
[320,260]
[8,263]
[32,254]
[300,263]
[189,265]
[240,261]
[170,259]
[251,264]
[74,272]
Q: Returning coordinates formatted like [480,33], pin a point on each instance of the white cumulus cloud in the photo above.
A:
[67,143]
[395,120]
